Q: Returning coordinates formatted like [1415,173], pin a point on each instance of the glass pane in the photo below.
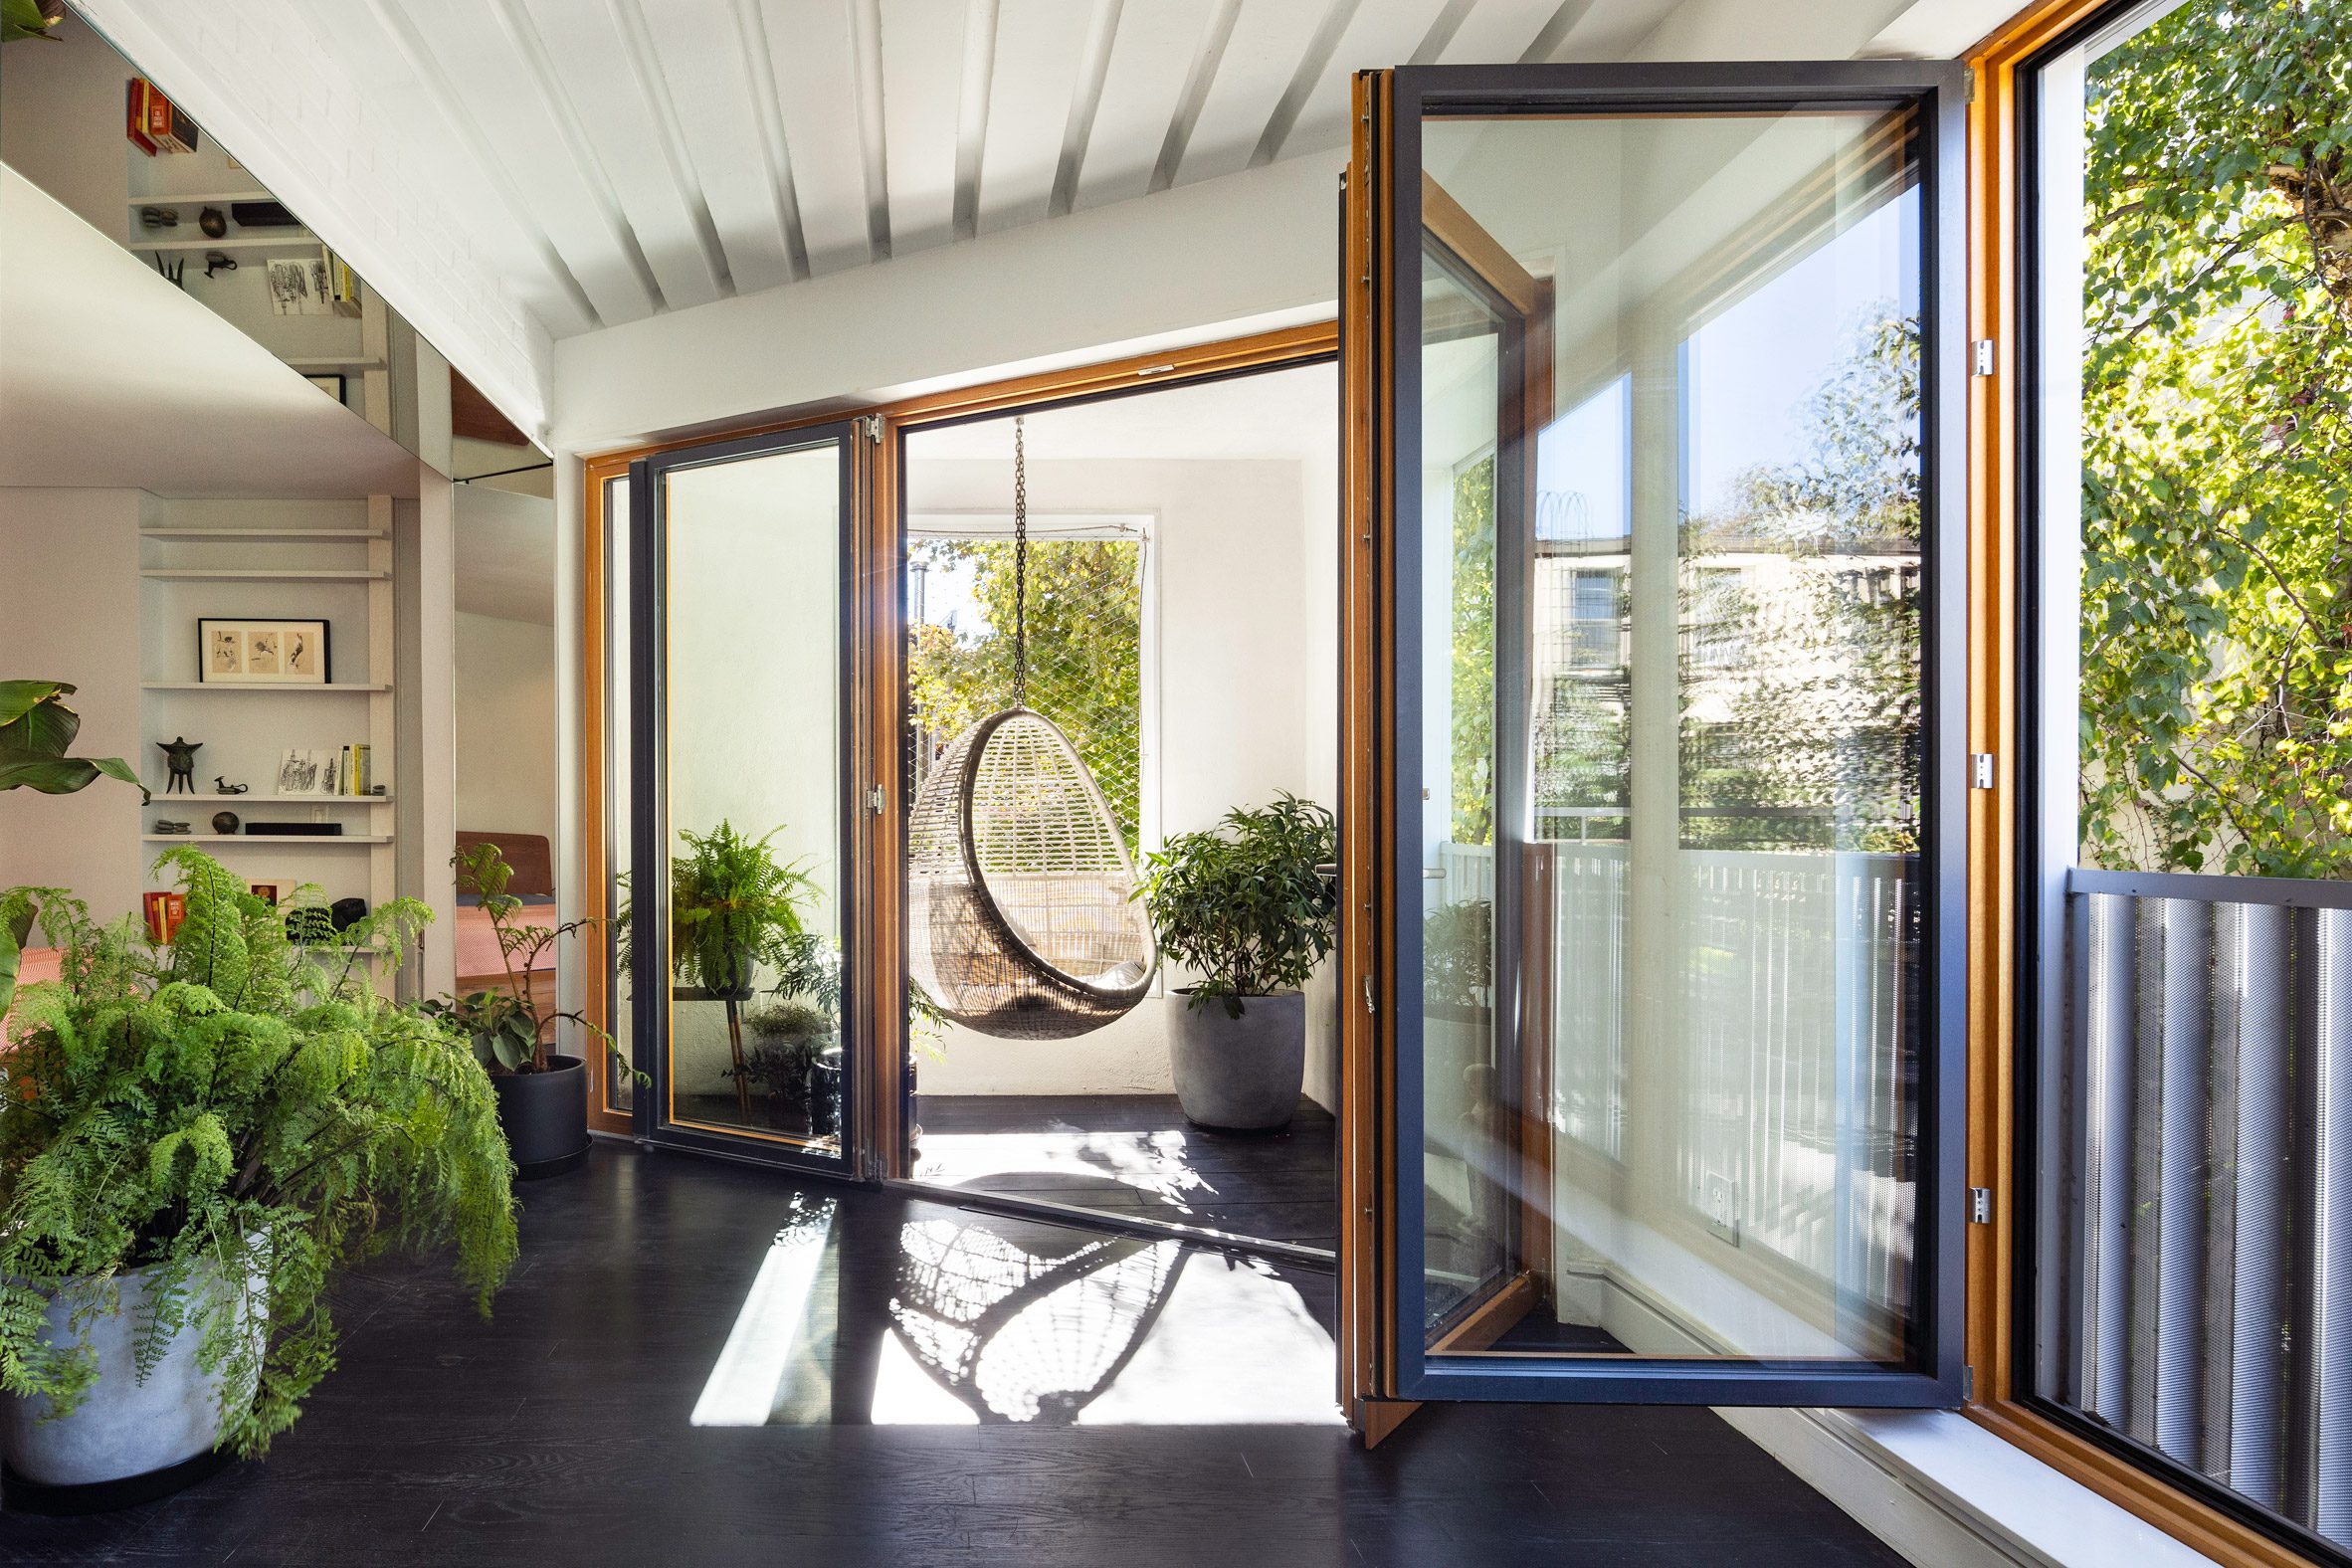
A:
[755,748]
[1671,579]
[619,1089]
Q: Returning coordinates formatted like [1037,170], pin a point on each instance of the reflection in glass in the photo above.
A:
[1672,737]
[754,746]
[619,1089]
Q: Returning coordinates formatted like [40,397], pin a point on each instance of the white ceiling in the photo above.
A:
[626,157]
[112,378]
[1287,414]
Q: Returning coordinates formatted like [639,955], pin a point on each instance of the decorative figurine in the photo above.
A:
[179,755]
[160,217]
[213,222]
[219,261]
[166,825]
[227,788]
[224,821]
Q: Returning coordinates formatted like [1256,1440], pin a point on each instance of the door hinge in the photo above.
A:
[1979,770]
[873,424]
[874,799]
[1983,354]
[1980,1205]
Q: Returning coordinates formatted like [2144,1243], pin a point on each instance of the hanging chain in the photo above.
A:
[1020,565]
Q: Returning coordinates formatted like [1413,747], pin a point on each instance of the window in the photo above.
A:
[2185,1301]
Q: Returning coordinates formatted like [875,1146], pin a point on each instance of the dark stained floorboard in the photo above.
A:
[559,1434]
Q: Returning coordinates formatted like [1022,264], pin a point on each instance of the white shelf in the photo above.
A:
[201,196]
[338,687]
[209,574]
[279,800]
[301,238]
[339,535]
[332,362]
[273,840]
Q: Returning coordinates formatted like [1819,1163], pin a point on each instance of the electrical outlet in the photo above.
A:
[1723,1207]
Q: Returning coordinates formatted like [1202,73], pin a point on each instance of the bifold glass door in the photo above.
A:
[1671,780]
[741,913]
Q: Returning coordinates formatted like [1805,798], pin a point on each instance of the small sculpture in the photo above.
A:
[180,756]
[213,222]
[224,821]
[218,262]
[160,217]
[227,788]
[166,825]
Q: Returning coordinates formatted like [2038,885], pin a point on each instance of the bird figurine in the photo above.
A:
[227,788]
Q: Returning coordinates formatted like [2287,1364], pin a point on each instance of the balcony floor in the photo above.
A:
[704,1364]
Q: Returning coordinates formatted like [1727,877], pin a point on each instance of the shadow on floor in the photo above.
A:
[925,1375]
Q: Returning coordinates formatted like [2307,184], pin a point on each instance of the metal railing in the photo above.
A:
[2201,1212]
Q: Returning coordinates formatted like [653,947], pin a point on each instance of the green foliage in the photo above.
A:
[789,1034]
[733,906]
[790,1020]
[1086,653]
[36,727]
[1474,654]
[30,19]
[1457,955]
[2217,437]
[510,1028]
[1243,902]
[245,1116]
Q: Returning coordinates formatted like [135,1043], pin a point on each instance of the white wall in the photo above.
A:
[505,712]
[69,611]
[60,124]
[1247,675]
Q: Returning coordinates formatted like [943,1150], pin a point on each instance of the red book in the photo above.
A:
[135,92]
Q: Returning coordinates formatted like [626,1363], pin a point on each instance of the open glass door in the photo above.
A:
[1656,685]
[743,904]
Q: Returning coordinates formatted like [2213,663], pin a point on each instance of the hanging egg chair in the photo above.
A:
[1022,922]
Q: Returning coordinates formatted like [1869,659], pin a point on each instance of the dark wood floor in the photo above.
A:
[1136,1156]
[563,1432]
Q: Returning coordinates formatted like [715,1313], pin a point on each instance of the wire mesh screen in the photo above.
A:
[1022,920]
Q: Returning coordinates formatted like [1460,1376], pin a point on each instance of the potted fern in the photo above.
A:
[196,1143]
[542,1094]
[1246,906]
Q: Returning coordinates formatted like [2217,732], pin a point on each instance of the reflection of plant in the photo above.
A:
[733,907]
[1458,954]
[1244,902]
[1472,772]
[247,1117]
[508,1027]
[36,727]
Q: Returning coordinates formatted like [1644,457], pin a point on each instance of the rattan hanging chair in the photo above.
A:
[1021,921]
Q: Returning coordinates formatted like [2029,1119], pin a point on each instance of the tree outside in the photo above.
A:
[2217,483]
[1086,653]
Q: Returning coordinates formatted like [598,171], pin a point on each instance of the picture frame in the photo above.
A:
[331,385]
[309,770]
[272,890]
[291,652]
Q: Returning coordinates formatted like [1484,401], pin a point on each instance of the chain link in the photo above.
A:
[1020,565]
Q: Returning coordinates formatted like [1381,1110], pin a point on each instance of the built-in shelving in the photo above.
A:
[273,840]
[328,689]
[247,535]
[298,239]
[209,574]
[251,799]
[214,198]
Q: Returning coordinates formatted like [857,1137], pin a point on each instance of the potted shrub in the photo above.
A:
[196,1143]
[1245,906]
[732,906]
[542,1094]
[786,1035]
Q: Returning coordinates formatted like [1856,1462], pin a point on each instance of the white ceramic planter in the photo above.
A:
[125,1425]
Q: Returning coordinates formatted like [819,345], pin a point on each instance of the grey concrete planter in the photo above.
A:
[1243,1074]
[127,1427]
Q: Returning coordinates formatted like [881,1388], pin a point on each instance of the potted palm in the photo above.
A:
[1246,906]
[542,1094]
[196,1143]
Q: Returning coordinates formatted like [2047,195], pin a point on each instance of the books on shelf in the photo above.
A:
[166,911]
[347,770]
[154,123]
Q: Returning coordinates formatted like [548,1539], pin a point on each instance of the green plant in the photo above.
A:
[733,907]
[36,727]
[788,1020]
[1457,955]
[790,1034]
[508,1027]
[1243,903]
[244,1115]
[30,19]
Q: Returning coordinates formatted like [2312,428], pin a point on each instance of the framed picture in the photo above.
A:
[314,770]
[272,891]
[262,652]
[331,385]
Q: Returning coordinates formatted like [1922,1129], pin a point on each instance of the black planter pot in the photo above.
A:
[545,1117]
[825,1092]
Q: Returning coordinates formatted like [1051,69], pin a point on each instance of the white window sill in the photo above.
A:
[1943,1490]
